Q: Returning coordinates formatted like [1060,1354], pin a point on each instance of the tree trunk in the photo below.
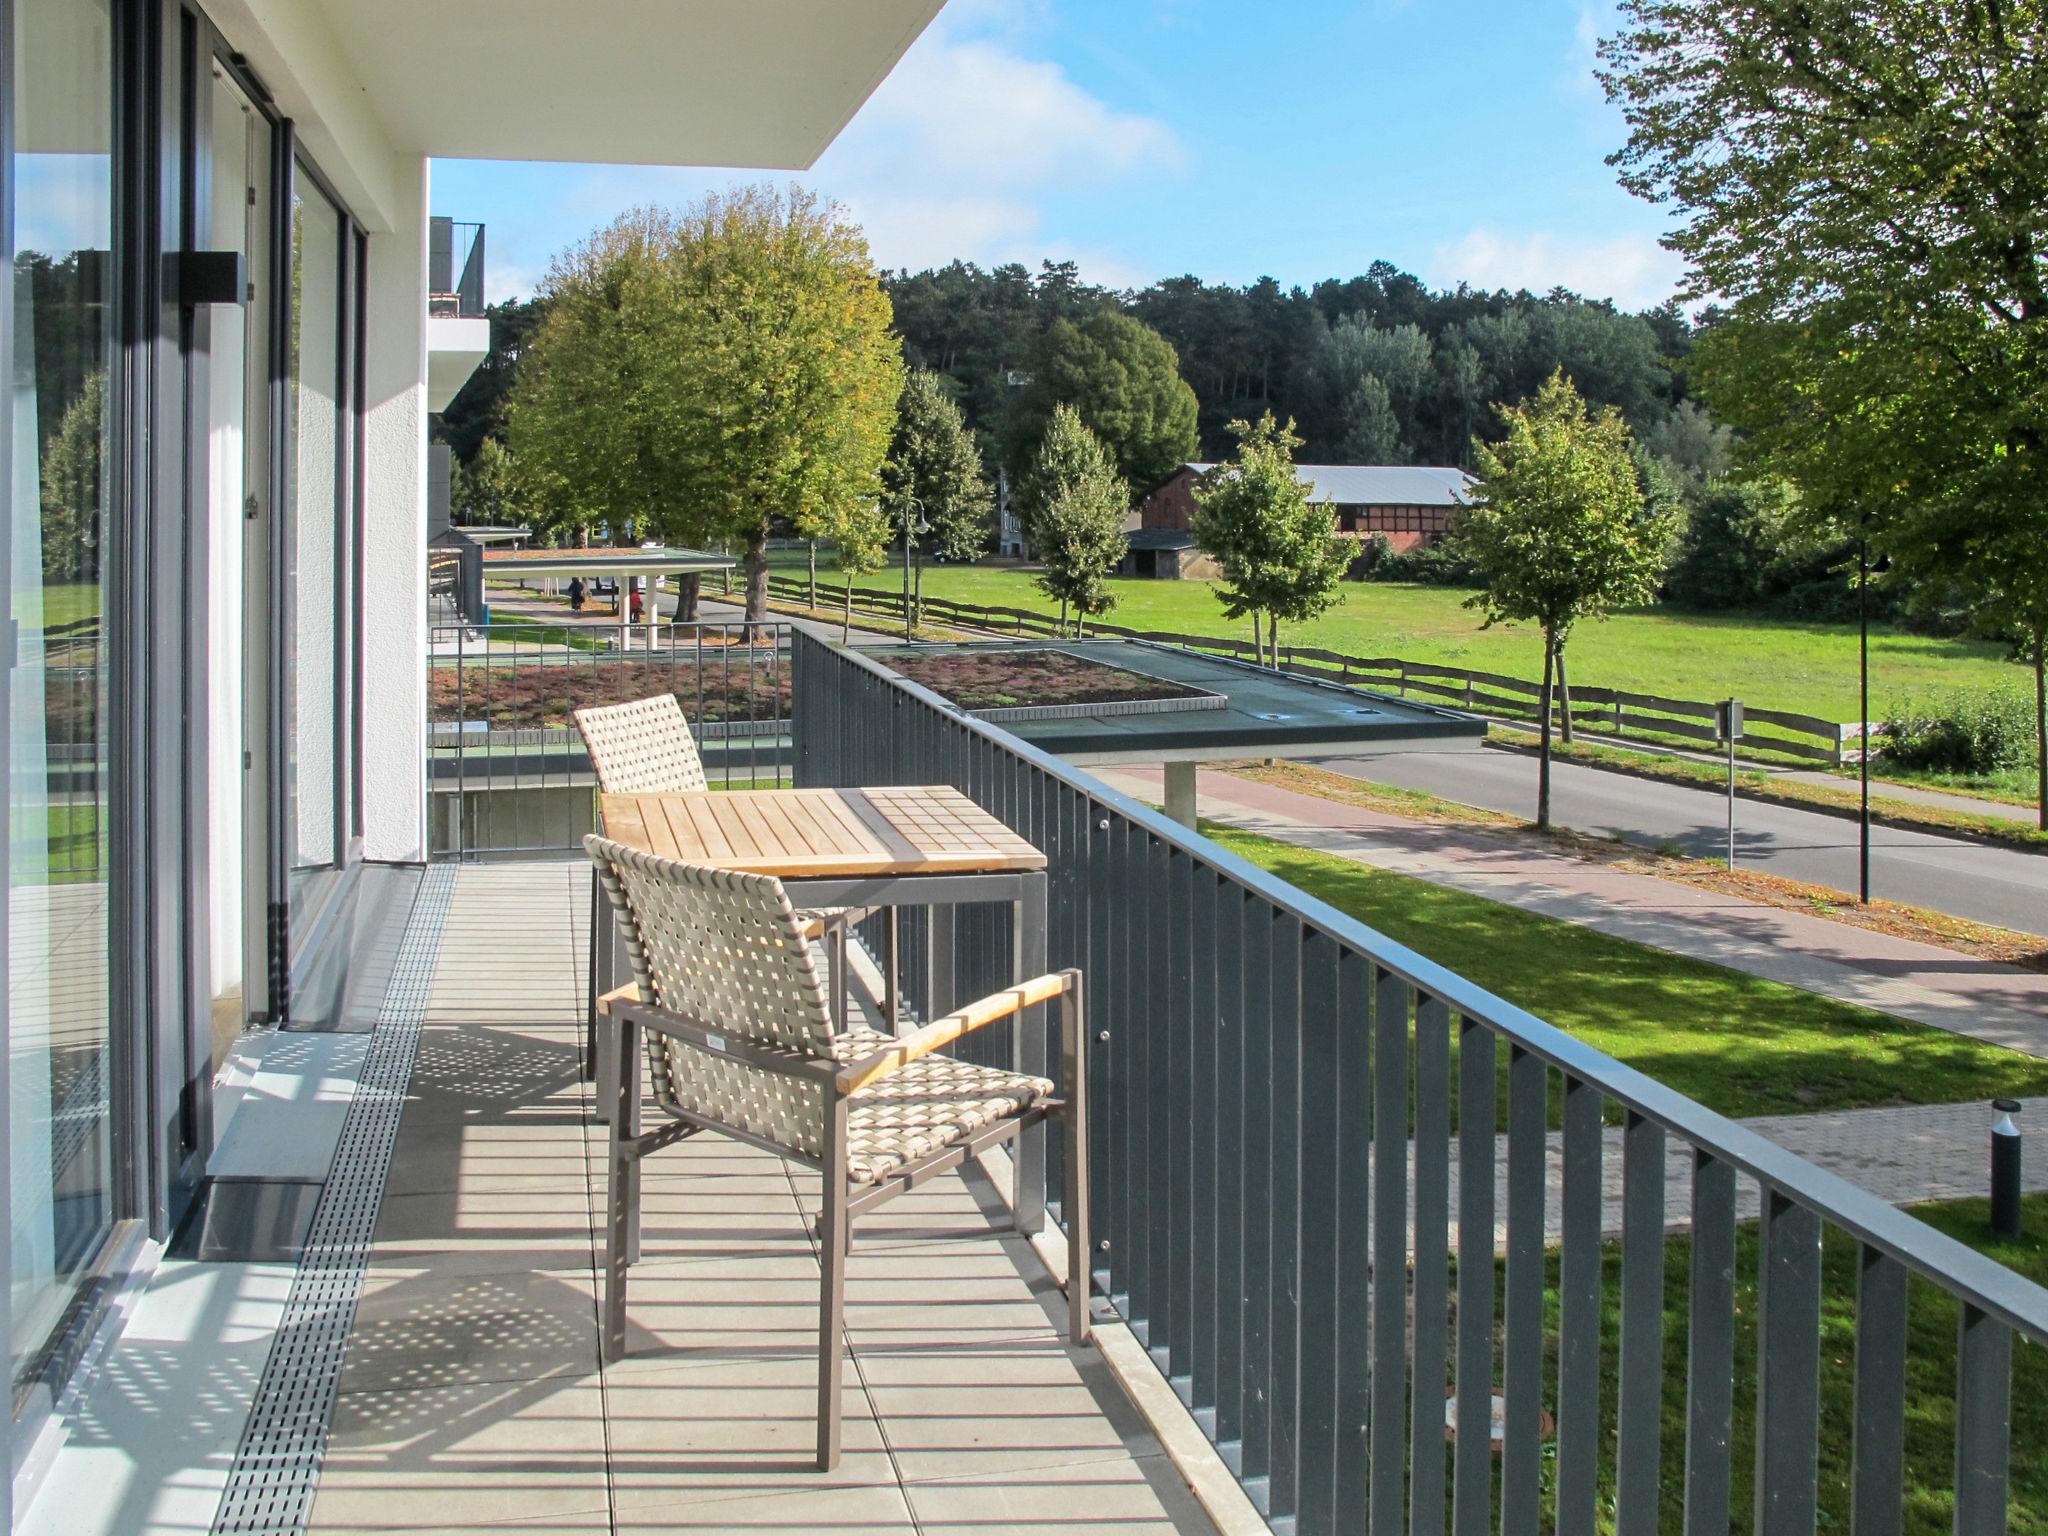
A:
[846,614]
[689,587]
[757,575]
[814,572]
[1063,618]
[1564,700]
[2041,725]
[1273,638]
[1543,753]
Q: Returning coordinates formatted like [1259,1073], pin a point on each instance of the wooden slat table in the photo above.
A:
[913,845]
[807,834]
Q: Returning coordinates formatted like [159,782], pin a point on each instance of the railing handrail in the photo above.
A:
[1982,1282]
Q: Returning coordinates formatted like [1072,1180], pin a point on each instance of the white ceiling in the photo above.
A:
[753,83]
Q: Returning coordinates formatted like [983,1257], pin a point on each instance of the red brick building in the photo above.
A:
[1411,505]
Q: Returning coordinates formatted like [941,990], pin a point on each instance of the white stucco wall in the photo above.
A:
[395,530]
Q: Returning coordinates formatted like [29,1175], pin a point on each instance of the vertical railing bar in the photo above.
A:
[1472,1472]
[1204,1045]
[1387,1420]
[1639,1393]
[1285,1336]
[1983,1422]
[1788,1368]
[1521,1458]
[1710,1348]
[1352,1134]
[1324,1038]
[1579,1307]
[1262,923]
[1877,1481]
[1234,973]
[1431,1300]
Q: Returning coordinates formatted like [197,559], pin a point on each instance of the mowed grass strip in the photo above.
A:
[1738,1044]
[1767,663]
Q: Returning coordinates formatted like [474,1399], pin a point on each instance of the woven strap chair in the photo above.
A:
[644,747]
[740,1040]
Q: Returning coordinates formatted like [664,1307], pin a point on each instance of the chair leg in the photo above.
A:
[835,952]
[832,1224]
[622,1192]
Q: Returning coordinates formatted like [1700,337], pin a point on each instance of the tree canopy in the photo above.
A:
[1559,529]
[1865,187]
[1074,503]
[1123,379]
[707,376]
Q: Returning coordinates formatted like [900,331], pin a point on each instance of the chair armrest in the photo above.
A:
[943,1031]
[629,993]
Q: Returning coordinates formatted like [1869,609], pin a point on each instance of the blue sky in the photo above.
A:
[1460,139]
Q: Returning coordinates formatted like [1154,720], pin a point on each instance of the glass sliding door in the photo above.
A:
[320,455]
[238,140]
[59,1137]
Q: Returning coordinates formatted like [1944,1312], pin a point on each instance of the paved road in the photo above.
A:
[1989,885]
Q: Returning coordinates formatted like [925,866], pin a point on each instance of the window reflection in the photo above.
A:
[58,1133]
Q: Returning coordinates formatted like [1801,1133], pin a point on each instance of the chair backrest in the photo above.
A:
[726,950]
[643,747]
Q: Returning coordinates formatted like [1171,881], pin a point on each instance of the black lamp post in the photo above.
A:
[913,524]
[1863,712]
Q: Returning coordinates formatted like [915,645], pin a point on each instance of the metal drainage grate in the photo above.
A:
[277,1465]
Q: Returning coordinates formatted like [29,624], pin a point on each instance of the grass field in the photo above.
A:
[1738,1044]
[65,603]
[1770,664]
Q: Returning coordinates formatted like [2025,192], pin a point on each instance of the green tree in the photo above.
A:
[860,546]
[590,450]
[1074,504]
[1279,551]
[1123,378]
[934,473]
[1559,530]
[486,493]
[780,378]
[1865,188]
[71,486]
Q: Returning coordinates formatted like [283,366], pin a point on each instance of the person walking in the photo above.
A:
[575,594]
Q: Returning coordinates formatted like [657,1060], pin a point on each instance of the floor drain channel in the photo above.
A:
[277,1465]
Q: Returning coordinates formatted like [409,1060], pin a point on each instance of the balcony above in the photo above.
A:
[458,334]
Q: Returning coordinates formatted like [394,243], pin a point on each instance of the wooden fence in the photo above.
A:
[1608,711]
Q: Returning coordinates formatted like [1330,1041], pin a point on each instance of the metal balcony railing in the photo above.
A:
[507,772]
[455,269]
[1296,1124]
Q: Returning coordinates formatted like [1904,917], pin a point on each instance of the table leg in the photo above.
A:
[892,1002]
[1029,1037]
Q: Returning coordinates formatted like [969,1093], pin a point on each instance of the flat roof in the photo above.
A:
[602,562]
[1268,714]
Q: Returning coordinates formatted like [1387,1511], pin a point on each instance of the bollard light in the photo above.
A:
[2005,1170]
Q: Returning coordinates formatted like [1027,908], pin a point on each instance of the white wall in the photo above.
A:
[395,528]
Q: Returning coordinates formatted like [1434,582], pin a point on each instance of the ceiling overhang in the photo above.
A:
[760,84]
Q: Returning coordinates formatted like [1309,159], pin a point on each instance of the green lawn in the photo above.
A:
[1771,664]
[1738,1044]
[66,603]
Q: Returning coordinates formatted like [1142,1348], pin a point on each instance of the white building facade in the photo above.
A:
[221,366]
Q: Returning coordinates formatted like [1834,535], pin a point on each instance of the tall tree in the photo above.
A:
[781,377]
[1279,551]
[486,490]
[934,474]
[1074,503]
[1865,187]
[592,450]
[1123,379]
[1559,530]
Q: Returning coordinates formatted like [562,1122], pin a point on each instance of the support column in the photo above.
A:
[1180,792]
[624,598]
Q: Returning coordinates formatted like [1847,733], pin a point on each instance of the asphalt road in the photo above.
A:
[1966,879]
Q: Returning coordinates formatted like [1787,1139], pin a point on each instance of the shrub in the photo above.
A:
[1436,565]
[1974,732]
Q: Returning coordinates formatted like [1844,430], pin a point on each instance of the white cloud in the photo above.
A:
[1594,22]
[1633,270]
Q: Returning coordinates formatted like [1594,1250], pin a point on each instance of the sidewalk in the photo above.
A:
[1943,988]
